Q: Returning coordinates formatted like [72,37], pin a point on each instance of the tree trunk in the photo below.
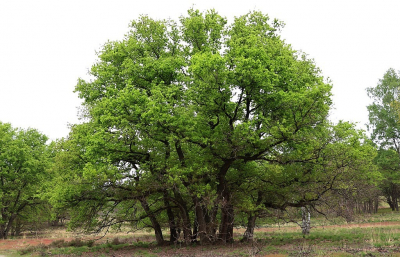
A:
[251,221]
[376,205]
[5,229]
[390,202]
[173,236]
[7,225]
[154,222]
[210,223]
[213,223]
[201,222]
[3,234]
[226,228]
[195,229]
[186,224]
[249,233]
[16,227]
[305,221]
[224,196]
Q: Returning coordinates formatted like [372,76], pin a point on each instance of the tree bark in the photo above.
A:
[227,215]
[305,221]
[251,221]
[201,222]
[186,224]
[210,223]
[173,236]
[3,235]
[390,202]
[376,205]
[154,222]
[227,218]
[7,225]
[195,229]
[249,233]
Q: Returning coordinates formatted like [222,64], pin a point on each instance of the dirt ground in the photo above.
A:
[15,244]
[219,250]
[22,243]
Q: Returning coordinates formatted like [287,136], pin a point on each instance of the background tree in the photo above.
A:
[335,158]
[385,127]
[24,159]
[389,160]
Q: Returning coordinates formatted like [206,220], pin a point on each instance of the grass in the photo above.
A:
[79,247]
[366,236]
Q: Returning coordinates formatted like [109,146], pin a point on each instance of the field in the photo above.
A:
[368,235]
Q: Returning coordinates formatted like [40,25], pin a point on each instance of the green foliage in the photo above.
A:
[383,112]
[385,126]
[24,162]
[334,158]
[198,121]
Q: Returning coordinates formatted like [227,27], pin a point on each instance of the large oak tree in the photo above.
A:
[177,117]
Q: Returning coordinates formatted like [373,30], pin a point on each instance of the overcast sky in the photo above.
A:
[45,46]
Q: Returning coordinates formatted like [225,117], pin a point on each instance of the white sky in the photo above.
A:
[45,46]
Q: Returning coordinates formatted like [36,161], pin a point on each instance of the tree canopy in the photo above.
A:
[24,160]
[383,112]
[384,122]
[192,123]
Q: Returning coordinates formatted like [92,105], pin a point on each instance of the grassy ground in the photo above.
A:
[368,235]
